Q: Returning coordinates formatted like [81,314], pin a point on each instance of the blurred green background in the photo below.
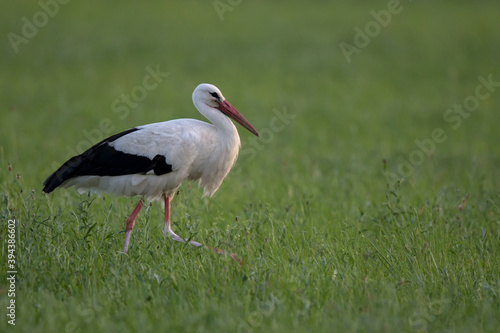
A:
[349,122]
[263,56]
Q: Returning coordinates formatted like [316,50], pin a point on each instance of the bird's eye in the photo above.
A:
[214,94]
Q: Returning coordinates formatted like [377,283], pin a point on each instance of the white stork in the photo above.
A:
[153,160]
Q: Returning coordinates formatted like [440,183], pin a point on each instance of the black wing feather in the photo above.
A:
[104,160]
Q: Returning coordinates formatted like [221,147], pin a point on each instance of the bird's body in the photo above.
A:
[192,150]
[153,160]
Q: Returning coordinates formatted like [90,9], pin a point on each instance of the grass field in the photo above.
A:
[370,202]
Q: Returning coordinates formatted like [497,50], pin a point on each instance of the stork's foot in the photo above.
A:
[126,241]
[170,234]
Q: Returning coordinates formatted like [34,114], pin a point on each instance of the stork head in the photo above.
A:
[210,95]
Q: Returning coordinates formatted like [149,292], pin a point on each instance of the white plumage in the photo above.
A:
[153,160]
[194,149]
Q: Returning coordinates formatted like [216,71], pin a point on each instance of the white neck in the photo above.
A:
[222,123]
[225,149]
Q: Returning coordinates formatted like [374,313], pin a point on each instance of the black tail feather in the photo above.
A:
[65,172]
[68,169]
[104,160]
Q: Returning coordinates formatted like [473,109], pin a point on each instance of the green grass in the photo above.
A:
[329,241]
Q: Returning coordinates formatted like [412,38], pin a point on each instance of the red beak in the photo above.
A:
[232,113]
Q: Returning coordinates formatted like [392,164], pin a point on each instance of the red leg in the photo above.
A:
[167,231]
[130,225]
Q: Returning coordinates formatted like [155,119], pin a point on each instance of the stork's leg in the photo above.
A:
[167,231]
[130,225]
